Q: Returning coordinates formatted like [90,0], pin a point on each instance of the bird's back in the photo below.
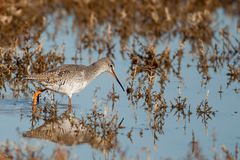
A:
[59,74]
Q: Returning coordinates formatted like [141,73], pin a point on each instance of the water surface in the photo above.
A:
[136,137]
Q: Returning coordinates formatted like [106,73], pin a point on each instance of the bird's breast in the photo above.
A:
[70,84]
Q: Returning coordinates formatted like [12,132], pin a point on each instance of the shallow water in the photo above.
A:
[137,138]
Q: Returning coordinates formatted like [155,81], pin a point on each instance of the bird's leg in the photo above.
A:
[36,99]
[69,104]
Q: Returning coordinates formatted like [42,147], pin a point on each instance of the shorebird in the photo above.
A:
[71,78]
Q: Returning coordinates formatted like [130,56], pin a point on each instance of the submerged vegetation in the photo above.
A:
[10,150]
[140,27]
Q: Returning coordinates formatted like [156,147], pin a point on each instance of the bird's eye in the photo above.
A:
[111,65]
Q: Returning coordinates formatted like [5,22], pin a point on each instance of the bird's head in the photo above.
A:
[110,68]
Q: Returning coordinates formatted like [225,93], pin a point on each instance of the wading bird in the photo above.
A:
[71,78]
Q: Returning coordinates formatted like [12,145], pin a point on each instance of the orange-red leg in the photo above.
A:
[35,99]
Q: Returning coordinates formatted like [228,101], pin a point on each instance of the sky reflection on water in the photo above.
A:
[177,133]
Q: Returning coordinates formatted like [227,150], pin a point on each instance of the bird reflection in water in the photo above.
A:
[96,130]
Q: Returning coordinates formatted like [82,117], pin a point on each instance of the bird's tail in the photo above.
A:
[28,77]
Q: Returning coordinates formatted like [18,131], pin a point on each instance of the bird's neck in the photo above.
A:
[94,70]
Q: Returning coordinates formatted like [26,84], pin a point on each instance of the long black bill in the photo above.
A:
[114,74]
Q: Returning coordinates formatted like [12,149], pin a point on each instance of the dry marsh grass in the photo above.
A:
[140,27]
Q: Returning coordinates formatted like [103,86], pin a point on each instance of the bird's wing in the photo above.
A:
[55,75]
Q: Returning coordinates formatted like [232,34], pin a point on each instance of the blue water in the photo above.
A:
[174,142]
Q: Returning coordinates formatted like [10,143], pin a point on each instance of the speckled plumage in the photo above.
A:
[70,78]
